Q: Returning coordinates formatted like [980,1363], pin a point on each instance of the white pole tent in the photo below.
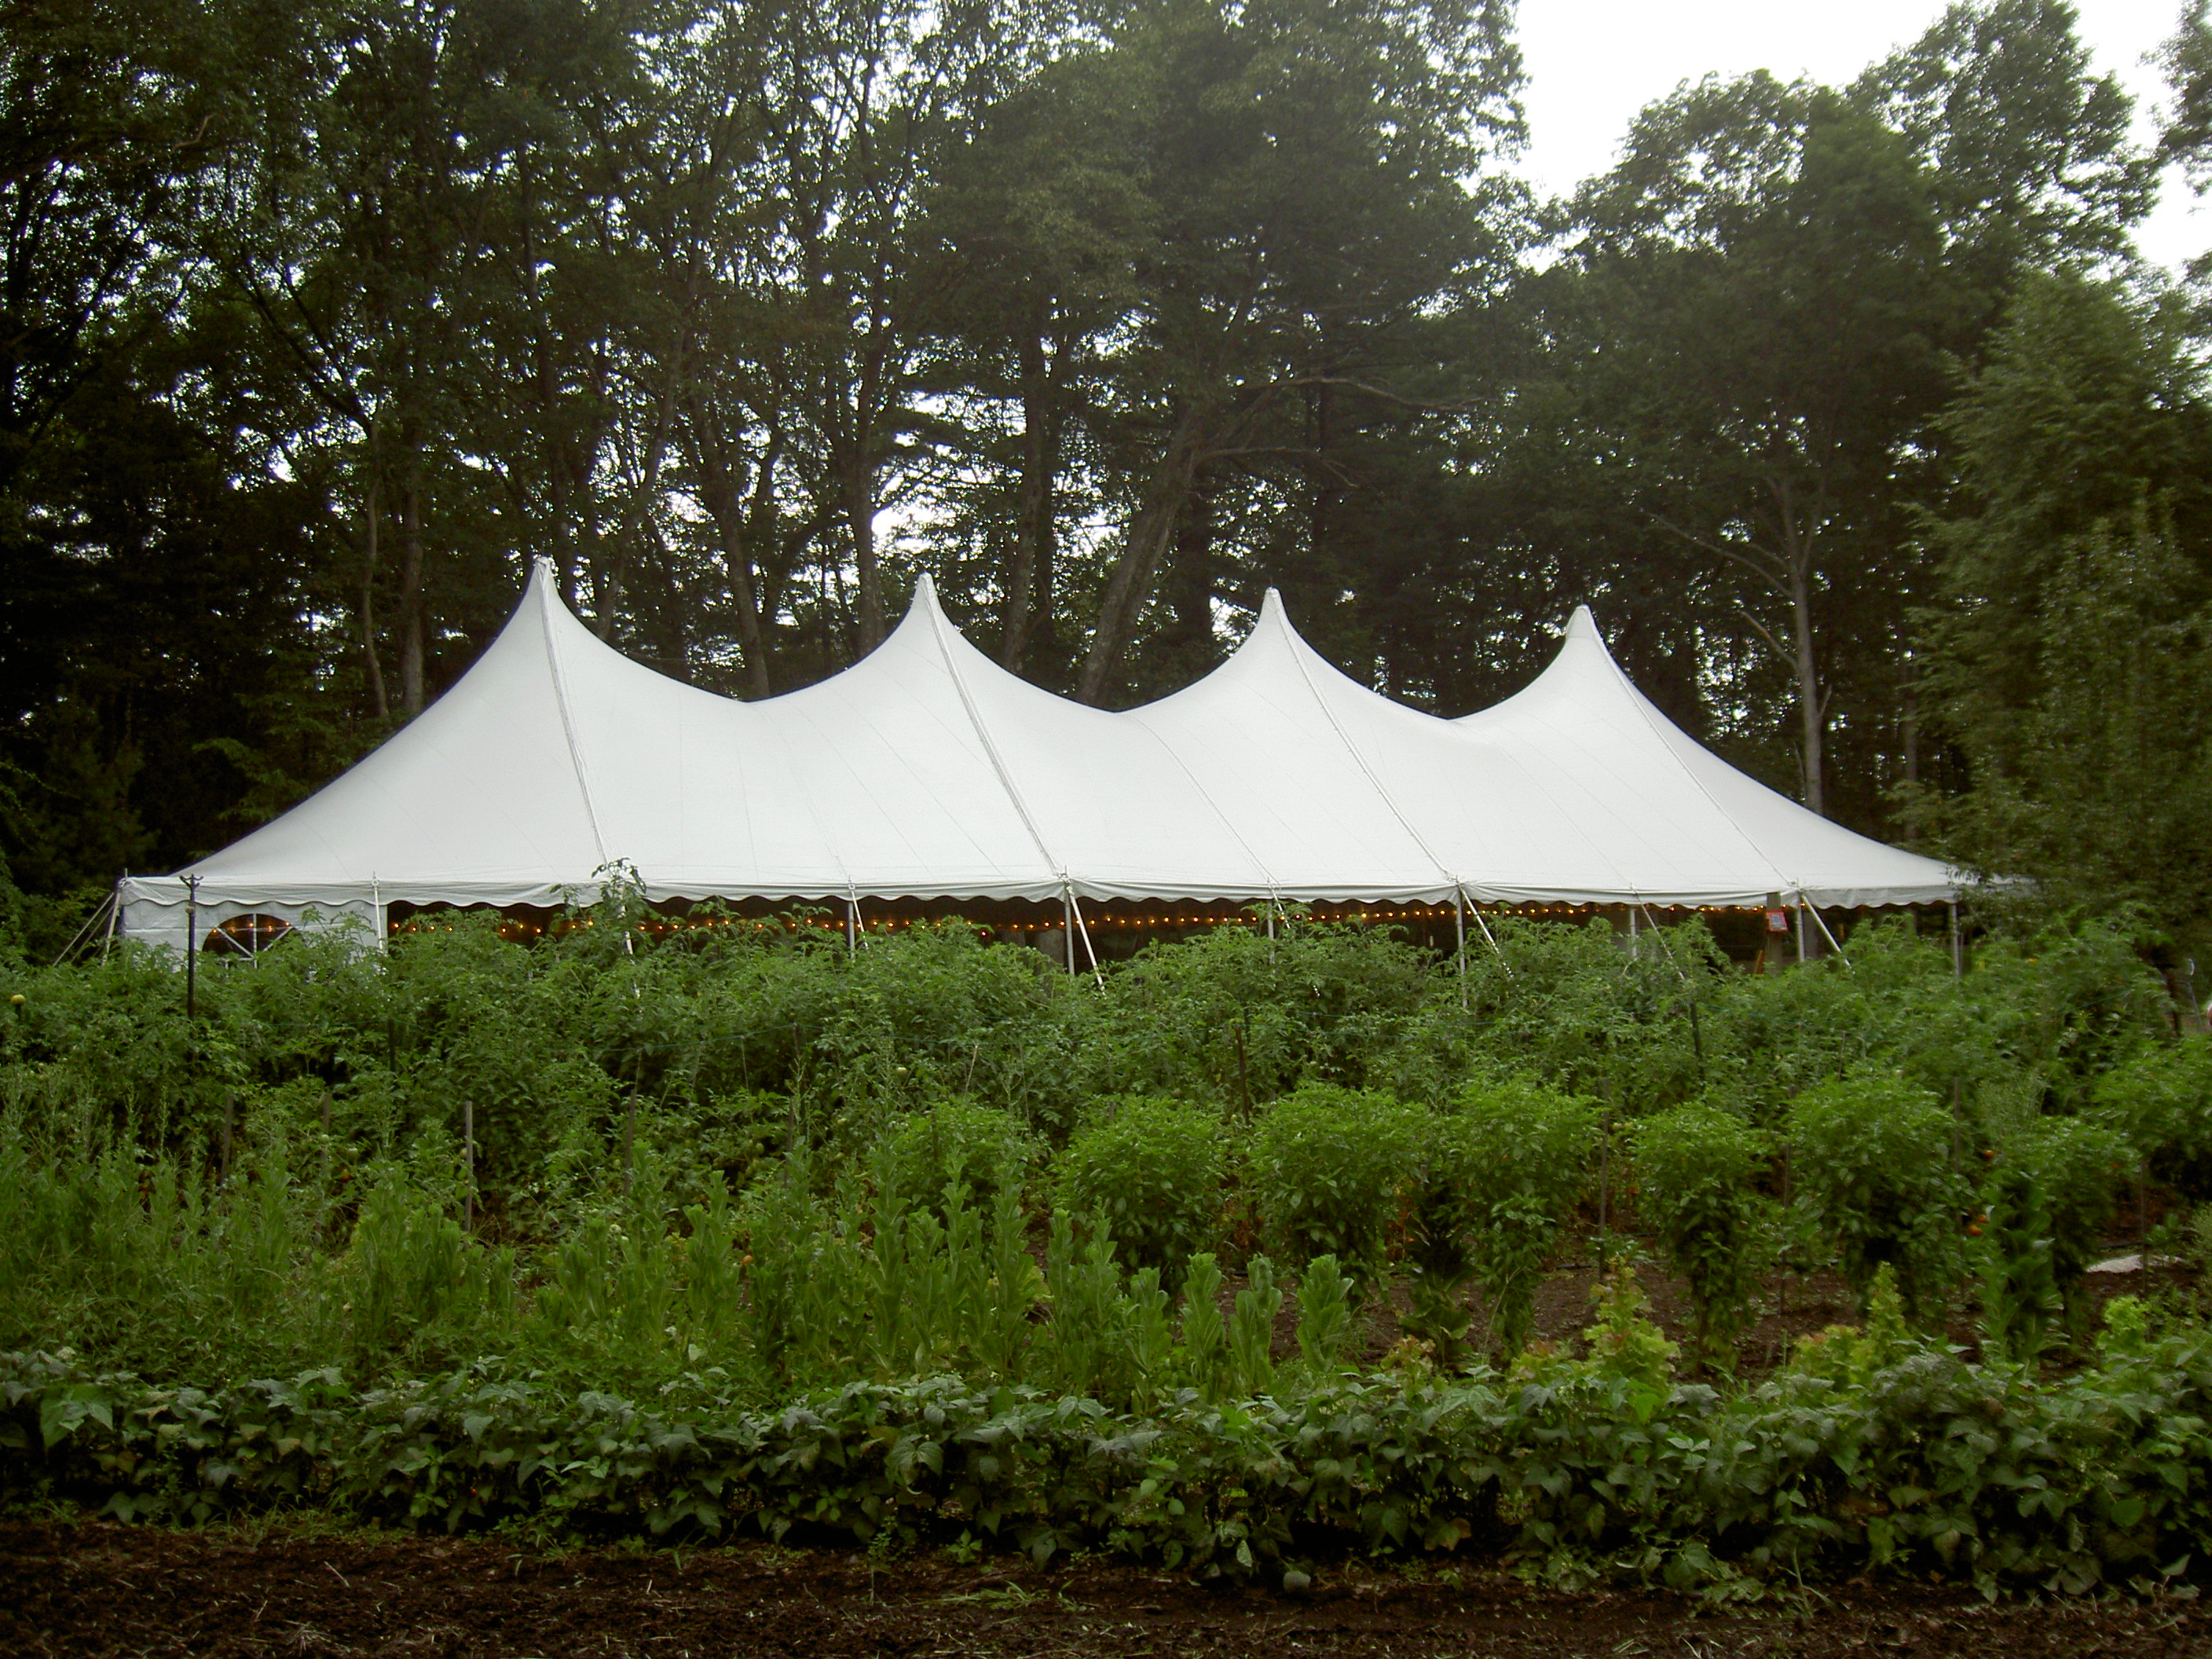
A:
[926,771]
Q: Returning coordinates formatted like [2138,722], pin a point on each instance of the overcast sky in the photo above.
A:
[1593,64]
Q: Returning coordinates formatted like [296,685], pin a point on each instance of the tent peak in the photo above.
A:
[1582,625]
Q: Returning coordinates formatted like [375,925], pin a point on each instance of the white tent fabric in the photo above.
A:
[927,771]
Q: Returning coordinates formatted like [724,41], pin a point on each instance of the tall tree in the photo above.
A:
[2073,658]
[1320,177]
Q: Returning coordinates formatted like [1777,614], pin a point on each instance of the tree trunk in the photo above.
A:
[375,510]
[858,490]
[737,528]
[1129,584]
[411,587]
[1029,582]
[1813,714]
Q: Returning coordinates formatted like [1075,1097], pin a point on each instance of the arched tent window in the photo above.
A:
[245,936]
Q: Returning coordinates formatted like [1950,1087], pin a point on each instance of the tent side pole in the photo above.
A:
[1494,945]
[1834,944]
[1459,937]
[1958,954]
[192,946]
[852,925]
[1801,929]
[1068,922]
[1075,911]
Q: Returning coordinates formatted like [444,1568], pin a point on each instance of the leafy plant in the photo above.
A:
[1696,1169]
[1527,1152]
[2161,1103]
[1872,1160]
[1439,1263]
[1152,1171]
[2020,1292]
[2078,1166]
[1324,1316]
[954,1144]
[1324,1167]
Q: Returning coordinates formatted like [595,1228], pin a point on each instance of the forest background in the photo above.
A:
[1886,462]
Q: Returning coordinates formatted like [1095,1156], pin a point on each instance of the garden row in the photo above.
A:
[1872,1451]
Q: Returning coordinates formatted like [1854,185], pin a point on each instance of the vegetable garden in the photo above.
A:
[1229,1260]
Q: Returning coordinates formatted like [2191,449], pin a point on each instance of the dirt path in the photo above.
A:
[93,1589]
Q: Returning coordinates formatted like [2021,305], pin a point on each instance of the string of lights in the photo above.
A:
[664,927]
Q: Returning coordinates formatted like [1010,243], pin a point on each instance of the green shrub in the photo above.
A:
[2161,1103]
[2079,1166]
[1870,1451]
[1324,1317]
[2019,1291]
[954,1143]
[1152,1170]
[1325,1166]
[1440,1221]
[1527,1153]
[1871,1153]
[1696,1167]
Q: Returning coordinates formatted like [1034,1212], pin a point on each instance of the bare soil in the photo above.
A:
[94,1589]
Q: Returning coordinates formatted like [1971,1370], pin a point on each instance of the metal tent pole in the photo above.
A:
[1459,937]
[1834,944]
[1067,920]
[1075,911]
[192,946]
[1958,953]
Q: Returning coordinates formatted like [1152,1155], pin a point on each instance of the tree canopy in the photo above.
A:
[1850,408]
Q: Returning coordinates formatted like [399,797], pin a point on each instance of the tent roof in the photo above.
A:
[927,770]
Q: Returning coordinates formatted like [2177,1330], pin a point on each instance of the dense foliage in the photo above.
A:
[688,1199]
[1865,1453]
